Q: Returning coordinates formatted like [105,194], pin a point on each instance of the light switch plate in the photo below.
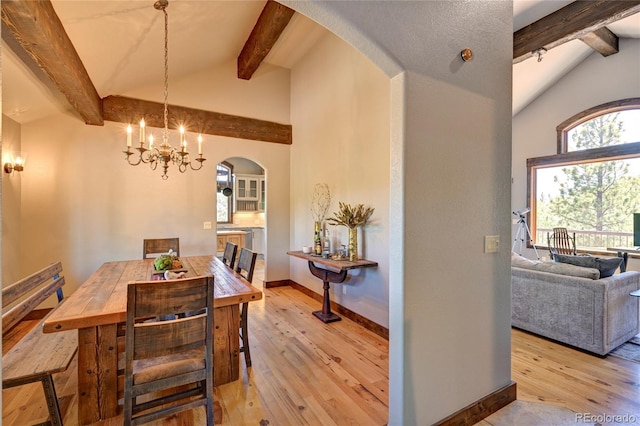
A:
[491,243]
[207,225]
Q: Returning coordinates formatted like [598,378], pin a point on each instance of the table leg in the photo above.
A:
[97,373]
[327,277]
[226,344]
[625,260]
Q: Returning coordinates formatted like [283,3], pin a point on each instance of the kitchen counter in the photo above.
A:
[230,236]
[254,235]
[231,232]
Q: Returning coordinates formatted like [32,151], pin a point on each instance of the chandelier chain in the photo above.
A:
[165,135]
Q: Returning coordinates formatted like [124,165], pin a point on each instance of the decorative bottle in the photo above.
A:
[318,239]
[326,244]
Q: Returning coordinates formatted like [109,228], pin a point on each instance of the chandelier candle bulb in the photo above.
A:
[142,131]
[199,144]
[150,142]
[129,130]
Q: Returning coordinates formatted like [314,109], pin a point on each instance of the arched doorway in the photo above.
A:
[242,205]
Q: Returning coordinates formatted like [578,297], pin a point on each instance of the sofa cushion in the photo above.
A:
[554,267]
[522,262]
[606,265]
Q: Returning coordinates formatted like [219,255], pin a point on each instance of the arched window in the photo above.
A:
[592,185]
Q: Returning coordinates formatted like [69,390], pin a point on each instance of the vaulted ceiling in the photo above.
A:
[530,77]
[118,47]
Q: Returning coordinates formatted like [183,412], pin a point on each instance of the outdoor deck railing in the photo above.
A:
[590,239]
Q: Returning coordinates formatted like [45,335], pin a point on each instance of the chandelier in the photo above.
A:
[164,154]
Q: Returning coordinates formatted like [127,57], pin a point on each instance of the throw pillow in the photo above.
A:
[606,265]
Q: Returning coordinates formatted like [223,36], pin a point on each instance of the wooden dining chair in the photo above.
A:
[166,356]
[155,246]
[246,265]
[229,256]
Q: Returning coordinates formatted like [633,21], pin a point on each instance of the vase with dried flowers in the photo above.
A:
[352,217]
[319,206]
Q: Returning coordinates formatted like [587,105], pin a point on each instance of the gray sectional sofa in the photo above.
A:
[572,305]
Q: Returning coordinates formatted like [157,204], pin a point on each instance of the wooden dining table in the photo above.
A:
[97,309]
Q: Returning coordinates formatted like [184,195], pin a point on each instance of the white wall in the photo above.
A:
[11,207]
[340,116]
[83,204]
[449,187]
[597,80]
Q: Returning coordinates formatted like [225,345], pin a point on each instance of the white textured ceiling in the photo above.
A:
[121,45]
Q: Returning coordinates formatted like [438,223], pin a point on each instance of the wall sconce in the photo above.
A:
[16,164]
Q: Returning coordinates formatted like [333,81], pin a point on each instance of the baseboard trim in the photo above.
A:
[482,408]
[341,310]
[273,284]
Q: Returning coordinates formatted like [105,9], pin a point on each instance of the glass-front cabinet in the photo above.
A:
[249,194]
[261,204]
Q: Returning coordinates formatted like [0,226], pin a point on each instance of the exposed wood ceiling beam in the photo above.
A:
[602,40]
[51,90]
[572,21]
[271,23]
[37,28]
[128,110]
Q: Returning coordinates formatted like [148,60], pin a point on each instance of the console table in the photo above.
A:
[335,271]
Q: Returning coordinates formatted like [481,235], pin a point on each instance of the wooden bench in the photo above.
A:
[37,356]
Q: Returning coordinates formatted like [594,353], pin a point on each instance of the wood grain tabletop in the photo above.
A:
[102,298]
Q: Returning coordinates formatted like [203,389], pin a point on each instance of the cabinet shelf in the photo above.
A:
[246,205]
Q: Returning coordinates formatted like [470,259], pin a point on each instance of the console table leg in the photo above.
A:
[326,315]
[327,276]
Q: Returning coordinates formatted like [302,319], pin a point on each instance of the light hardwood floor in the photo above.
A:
[304,372]
[307,373]
[556,374]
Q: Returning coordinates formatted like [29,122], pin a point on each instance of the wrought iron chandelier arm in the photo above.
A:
[200,160]
[141,155]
